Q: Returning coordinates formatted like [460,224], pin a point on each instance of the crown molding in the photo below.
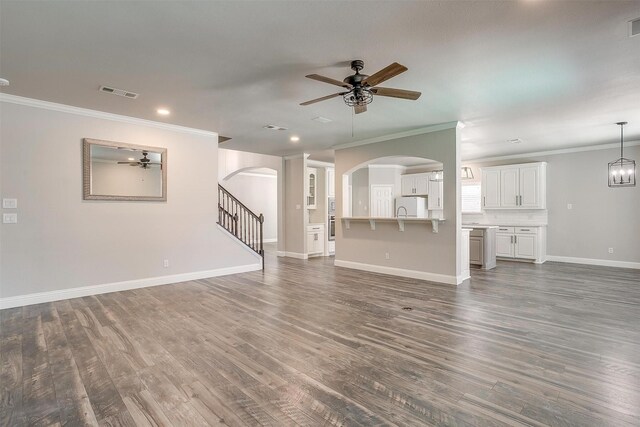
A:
[30,102]
[414,132]
[318,163]
[552,152]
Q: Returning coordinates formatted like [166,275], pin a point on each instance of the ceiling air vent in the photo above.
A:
[119,92]
[634,27]
[274,127]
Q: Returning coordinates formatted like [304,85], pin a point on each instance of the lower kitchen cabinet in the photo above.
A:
[476,250]
[521,243]
[315,240]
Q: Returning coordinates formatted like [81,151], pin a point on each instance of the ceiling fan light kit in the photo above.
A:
[361,88]
[622,172]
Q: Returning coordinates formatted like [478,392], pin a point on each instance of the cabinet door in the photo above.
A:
[526,245]
[422,184]
[319,242]
[504,245]
[509,188]
[310,243]
[491,188]
[475,250]
[434,201]
[312,182]
[530,187]
[407,182]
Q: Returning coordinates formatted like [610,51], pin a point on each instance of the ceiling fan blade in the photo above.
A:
[127,163]
[396,93]
[385,74]
[329,80]
[360,108]
[313,101]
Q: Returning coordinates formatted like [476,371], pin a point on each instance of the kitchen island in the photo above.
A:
[482,245]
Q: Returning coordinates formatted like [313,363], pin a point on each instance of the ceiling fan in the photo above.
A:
[361,88]
[144,162]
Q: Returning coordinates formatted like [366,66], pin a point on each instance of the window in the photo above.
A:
[471,198]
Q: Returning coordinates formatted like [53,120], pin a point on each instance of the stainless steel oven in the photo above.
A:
[331,229]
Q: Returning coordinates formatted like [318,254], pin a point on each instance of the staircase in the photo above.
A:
[240,221]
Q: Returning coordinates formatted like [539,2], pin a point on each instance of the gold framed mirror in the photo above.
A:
[126,172]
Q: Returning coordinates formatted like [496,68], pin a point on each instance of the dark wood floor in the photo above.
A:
[305,343]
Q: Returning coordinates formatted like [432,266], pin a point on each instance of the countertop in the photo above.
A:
[507,224]
[479,226]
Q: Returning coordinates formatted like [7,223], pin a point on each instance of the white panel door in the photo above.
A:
[504,245]
[525,246]
[530,186]
[407,182]
[381,201]
[491,188]
[509,188]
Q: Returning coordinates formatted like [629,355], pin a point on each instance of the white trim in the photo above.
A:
[414,132]
[591,261]
[274,240]
[462,278]
[296,156]
[261,175]
[296,255]
[13,99]
[41,297]
[387,167]
[319,164]
[413,274]
[553,152]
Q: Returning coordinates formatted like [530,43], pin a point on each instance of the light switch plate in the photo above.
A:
[9,203]
[9,218]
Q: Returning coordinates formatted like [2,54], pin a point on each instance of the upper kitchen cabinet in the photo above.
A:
[415,184]
[331,182]
[311,187]
[515,186]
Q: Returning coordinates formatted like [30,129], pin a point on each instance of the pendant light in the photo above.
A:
[466,173]
[622,172]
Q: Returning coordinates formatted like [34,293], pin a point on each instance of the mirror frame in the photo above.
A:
[86,171]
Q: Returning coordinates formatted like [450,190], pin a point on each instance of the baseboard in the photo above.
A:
[592,261]
[413,274]
[274,240]
[463,278]
[292,255]
[41,297]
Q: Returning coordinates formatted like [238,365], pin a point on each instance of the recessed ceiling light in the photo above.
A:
[131,159]
[4,82]
[163,111]
[515,141]
[295,138]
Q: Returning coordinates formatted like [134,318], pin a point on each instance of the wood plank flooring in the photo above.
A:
[305,343]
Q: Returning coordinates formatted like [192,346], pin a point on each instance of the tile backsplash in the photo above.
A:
[507,217]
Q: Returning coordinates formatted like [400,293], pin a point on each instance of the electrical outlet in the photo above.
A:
[166,263]
[610,250]
[569,206]
[386,255]
[10,218]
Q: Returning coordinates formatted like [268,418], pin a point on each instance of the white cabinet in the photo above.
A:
[521,242]
[491,188]
[315,240]
[311,184]
[416,184]
[434,200]
[331,182]
[515,186]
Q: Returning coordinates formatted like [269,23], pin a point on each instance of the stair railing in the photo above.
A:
[240,221]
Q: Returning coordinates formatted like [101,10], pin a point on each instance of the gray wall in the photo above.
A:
[601,217]
[295,212]
[260,194]
[360,192]
[318,215]
[417,248]
[63,242]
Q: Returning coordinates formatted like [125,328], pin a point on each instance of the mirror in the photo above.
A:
[119,171]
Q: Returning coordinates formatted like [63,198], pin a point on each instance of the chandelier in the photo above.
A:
[622,172]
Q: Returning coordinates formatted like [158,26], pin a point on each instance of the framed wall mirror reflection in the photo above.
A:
[119,171]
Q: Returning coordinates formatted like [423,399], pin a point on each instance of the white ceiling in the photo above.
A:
[555,74]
